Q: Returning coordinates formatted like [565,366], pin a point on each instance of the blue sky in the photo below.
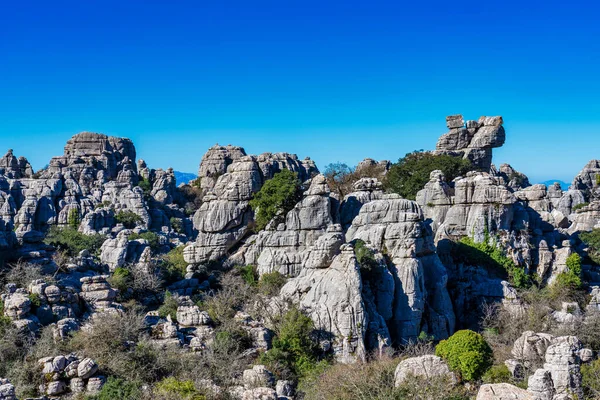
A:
[336,81]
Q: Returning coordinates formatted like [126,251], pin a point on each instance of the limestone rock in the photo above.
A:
[502,391]
[426,367]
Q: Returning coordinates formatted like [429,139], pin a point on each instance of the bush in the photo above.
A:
[270,284]
[369,266]
[570,280]
[121,279]
[295,352]
[497,374]
[249,274]
[339,178]
[128,218]
[169,307]
[151,237]
[590,374]
[182,389]
[592,240]
[410,174]
[277,196]
[118,389]
[174,264]
[467,353]
[73,218]
[490,257]
[146,186]
[177,224]
[580,206]
[72,241]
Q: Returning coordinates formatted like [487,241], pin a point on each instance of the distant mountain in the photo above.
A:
[563,185]
[184,177]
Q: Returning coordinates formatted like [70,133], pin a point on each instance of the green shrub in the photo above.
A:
[73,218]
[118,389]
[369,267]
[249,274]
[497,374]
[35,300]
[5,322]
[571,279]
[490,257]
[174,265]
[467,353]
[177,224]
[146,186]
[121,279]
[128,218]
[592,240]
[277,196]
[183,389]
[410,174]
[104,204]
[169,307]
[72,241]
[580,206]
[295,352]
[590,374]
[151,237]
[270,284]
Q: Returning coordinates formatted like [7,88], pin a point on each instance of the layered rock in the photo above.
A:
[395,226]
[473,140]
[425,367]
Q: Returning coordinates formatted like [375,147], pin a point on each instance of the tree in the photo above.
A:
[592,240]
[277,196]
[411,173]
[467,353]
[339,178]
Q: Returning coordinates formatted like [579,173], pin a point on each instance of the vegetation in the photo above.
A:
[411,173]
[146,186]
[467,353]
[173,264]
[491,257]
[118,389]
[249,274]
[151,237]
[73,218]
[177,225]
[592,240]
[295,353]
[121,279]
[369,266]
[128,218]
[182,389]
[72,241]
[571,279]
[169,307]
[276,197]
[340,178]
[580,206]
[271,283]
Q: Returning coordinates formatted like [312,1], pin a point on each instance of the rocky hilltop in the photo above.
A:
[98,242]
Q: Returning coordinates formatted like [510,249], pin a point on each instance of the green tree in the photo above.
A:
[73,241]
[592,240]
[73,218]
[118,389]
[128,218]
[411,173]
[278,195]
[467,353]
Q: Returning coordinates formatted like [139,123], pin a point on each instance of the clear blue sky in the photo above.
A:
[336,81]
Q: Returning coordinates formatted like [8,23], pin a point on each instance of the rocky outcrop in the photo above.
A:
[502,391]
[332,298]
[70,373]
[473,140]
[588,181]
[15,168]
[425,367]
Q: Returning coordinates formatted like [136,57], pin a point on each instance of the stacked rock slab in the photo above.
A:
[473,140]
[395,226]
[225,217]
[332,298]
